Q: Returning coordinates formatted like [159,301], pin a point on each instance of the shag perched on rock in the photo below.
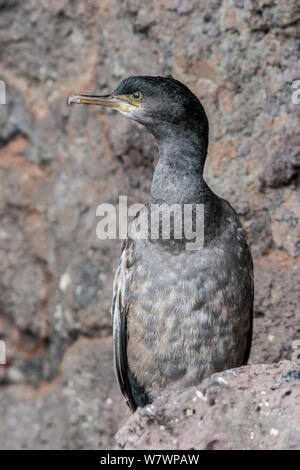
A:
[178,315]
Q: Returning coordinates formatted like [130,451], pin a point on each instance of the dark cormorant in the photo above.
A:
[178,315]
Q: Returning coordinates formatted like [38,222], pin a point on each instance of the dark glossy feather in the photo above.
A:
[132,392]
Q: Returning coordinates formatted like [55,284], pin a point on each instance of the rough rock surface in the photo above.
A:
[253,407]
[57,164]
[81,409]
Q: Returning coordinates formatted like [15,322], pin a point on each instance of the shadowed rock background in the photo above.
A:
[58,163]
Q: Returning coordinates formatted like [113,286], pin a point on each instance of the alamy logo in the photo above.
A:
[2,352]
[296,93]
[2,92]
[156,221]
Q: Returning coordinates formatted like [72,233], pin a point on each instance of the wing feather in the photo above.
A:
[250,332]
[119,311]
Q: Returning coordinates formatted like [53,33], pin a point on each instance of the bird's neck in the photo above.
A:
[178,176]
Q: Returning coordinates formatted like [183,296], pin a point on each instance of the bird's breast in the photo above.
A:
[188,314]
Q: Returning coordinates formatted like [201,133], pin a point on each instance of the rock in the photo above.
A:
[276,325]
[288,214]
[80,409]
[253,407]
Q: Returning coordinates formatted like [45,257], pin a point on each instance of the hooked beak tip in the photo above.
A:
[73,99]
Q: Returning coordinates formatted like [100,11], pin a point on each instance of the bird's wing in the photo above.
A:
[249,336]
[119,310]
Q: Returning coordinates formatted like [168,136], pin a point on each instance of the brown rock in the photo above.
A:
[253,407]
[81,409]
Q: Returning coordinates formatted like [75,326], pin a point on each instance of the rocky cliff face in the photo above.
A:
[254,407]
[58,163]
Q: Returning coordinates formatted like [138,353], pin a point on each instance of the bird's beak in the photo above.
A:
[121,103]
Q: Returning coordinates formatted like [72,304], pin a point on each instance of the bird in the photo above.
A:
[178,315]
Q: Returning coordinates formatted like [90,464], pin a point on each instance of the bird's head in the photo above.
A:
[159,103]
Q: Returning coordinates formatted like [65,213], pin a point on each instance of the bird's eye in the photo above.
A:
[137,96]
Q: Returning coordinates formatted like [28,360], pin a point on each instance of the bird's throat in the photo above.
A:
[178,176]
